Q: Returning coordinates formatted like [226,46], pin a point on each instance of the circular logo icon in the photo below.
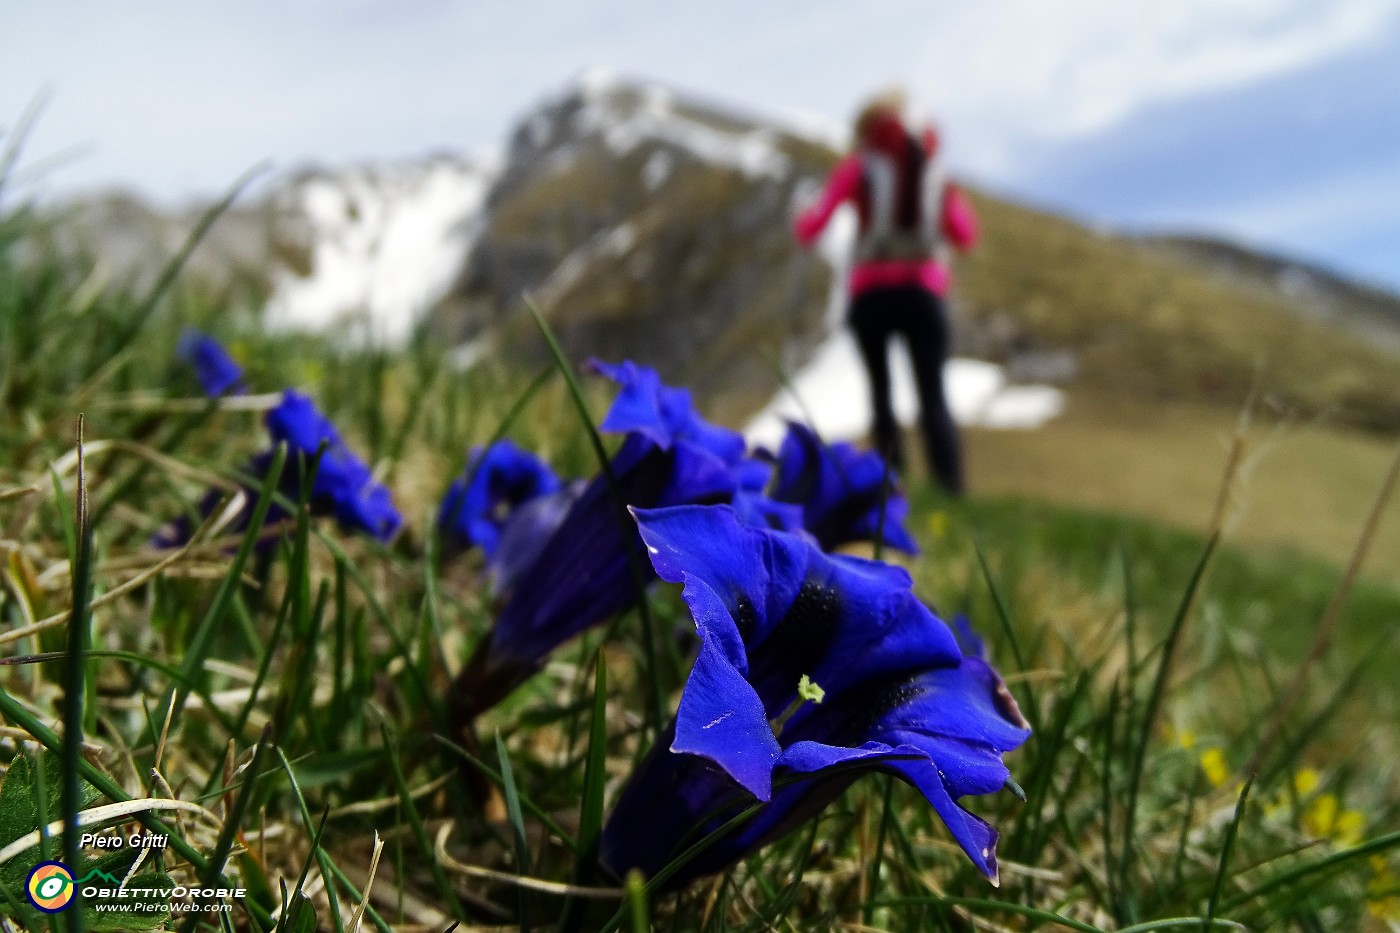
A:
[50,887]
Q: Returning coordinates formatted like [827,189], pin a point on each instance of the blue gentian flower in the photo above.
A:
[772,610]
[582,573]
[752,503]
[663,414]
[498,480]
[840,490]
[525,531]
[216,370]
[343,484]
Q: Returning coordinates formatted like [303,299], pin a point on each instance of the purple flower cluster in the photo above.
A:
[570,558]
[342,484]
[749,536]
[813,666]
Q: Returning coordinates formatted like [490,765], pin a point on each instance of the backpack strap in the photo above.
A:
[902,205]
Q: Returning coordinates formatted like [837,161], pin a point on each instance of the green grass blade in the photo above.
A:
[1154,702]
[491,774]
[419,831]
[18,714]
[1302,872]
[655,714]
[637,902]
[328,866]
[975,903]
[1032,705]
[1227,847]
[1107,798]
[590,817]
[201,640]
[293,918]
[517,824]
[75,680]
[876,856]
[1178,923]
[213,870]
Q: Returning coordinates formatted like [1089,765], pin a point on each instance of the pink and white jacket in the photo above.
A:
[907,213]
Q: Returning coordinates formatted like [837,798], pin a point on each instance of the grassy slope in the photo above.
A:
[1307,487]
[1058,570]
[1152,328]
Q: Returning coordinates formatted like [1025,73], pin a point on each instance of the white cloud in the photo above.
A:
[1019,72]
[179,98]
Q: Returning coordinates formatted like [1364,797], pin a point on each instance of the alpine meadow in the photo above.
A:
[492,606]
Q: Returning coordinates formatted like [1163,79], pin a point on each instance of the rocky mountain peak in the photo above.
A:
[648,225]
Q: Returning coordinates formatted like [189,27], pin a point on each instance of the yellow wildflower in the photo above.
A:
[1214,765]
[1346,832]
[1320,818]
[1383,891]
[1305,781]
[1184,738]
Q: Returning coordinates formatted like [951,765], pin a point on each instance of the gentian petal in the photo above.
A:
[663,414]
[753,505]
[721,716]
[587,570]
[837,619]
[757,576]
[498,480]
[968,640]
[526,532]
[840,490]
[697,475]
[671,802]
[218,373]
[582,575]
[972,833]
[343,484]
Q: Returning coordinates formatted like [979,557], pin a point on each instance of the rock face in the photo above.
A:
[648,227]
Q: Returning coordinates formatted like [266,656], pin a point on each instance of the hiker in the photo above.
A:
[908,216]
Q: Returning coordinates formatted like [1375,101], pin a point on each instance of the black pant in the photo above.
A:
[918,316]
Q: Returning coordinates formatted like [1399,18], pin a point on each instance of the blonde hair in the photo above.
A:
[891,101]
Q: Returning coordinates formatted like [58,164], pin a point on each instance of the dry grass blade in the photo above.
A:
[111,811]
[20,735]
[1331,618]
[111,595]
[149,403]
[387,803]
[520,881]
[198,542]
[360,909]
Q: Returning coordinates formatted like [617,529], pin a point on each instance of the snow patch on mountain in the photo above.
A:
[657,119]
[386,242]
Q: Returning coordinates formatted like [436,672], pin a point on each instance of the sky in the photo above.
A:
[1274,122]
